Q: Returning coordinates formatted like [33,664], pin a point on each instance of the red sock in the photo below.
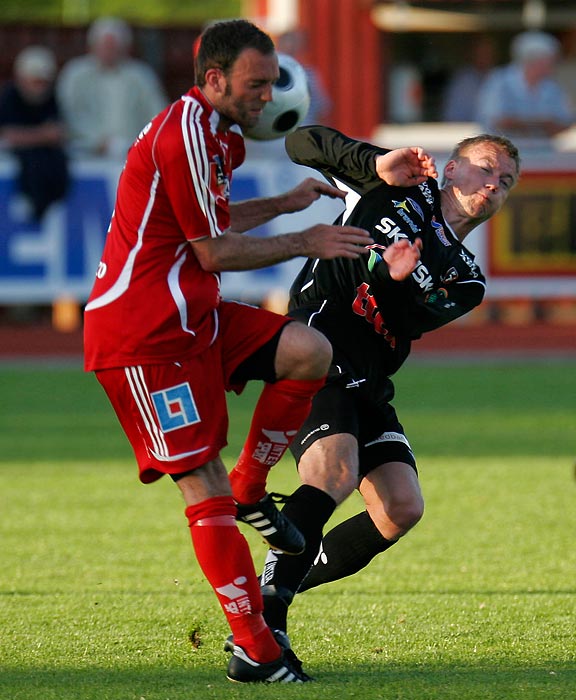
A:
[225,559]
[279,413]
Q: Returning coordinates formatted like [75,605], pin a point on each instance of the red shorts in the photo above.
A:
[175,414]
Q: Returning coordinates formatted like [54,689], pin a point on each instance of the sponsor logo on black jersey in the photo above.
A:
[365,305]
[401,205]
[421,274]
[474,272]
[427,192]
[402,208]
[375,257]
[439,297]
[450,276]
[423,277]
[416,207]
[390,229]
[439,231]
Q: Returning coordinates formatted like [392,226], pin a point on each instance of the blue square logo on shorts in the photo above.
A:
[175,407]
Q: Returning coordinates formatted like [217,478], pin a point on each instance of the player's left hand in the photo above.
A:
[402,257]
[306,193]
[405,167]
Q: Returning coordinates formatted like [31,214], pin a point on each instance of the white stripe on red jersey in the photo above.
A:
[152,302]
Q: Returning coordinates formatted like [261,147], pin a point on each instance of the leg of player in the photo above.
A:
[328,471]
[394,504]
[301,363]
[225,559]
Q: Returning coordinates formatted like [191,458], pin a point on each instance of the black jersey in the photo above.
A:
[368,317]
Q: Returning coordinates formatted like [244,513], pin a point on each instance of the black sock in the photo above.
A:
[346,549]
[309,509]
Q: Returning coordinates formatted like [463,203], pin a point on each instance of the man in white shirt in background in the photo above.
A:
[108,97]
[522,99]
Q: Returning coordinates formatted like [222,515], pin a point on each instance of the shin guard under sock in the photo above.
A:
[225,559]
[280,411]
[346,549]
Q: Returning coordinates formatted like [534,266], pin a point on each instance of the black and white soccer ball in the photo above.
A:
[289,106]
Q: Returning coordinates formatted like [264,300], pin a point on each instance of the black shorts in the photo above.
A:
[342,406]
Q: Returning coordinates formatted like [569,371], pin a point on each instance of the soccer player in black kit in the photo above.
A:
[371,309]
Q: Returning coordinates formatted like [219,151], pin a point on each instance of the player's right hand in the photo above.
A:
[402,258]
[326,242]
[306,193]
[406,167]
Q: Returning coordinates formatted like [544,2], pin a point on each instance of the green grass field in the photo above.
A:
[101,598]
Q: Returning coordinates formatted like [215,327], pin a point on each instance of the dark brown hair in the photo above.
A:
[222,42]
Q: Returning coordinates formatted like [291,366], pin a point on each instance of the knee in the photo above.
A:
[303,353]
[314,352]
[398,518]
[407,515]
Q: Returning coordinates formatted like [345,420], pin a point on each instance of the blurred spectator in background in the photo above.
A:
[405,94]
[461,95]
[107,96]
[522,99]
[566,67]
[293,43]
[32,130]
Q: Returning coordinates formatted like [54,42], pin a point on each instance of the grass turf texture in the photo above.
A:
[101,598]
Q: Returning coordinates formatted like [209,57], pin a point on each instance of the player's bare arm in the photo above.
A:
[402,257]
[405,167]
[255,212]
[234,251]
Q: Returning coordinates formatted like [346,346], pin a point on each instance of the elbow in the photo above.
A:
[209,263]
[219,253]
[207,257]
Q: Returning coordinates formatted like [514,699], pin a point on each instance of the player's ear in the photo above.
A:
[216,80]
[449,169]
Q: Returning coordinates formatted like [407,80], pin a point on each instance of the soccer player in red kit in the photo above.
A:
[165,347]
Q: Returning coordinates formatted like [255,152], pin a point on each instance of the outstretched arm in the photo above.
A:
[254,212]
[359,164]
[234,251]
[336,156]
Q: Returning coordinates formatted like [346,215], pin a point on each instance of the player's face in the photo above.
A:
[248,87]
[481,179]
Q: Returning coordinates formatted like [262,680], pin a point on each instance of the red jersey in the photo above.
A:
[152,302]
